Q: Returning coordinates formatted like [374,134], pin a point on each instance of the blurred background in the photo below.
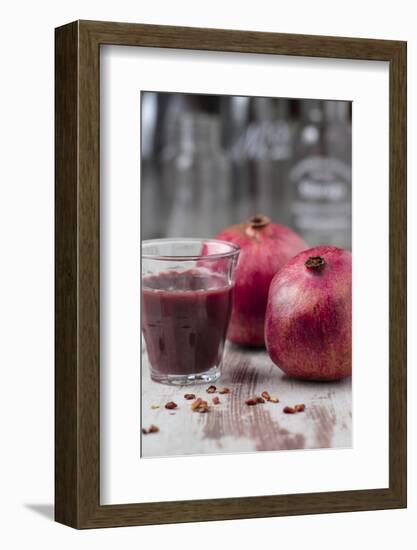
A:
[208,162]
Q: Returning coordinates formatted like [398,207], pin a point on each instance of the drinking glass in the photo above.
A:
[187,293]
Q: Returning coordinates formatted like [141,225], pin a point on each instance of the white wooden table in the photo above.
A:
[232,426]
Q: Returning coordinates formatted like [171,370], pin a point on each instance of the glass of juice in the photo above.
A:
[187,293]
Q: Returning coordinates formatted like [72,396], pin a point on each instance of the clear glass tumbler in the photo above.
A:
[187,293]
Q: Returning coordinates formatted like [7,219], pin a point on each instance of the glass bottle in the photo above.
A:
[235,114]
[200,180]
[270,148]
[320,178]
[150,183]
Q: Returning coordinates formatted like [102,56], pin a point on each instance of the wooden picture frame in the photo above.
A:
[77,373]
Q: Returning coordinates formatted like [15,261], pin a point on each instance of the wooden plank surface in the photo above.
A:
[232,426]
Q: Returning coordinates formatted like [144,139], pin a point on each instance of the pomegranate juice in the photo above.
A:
[184,320]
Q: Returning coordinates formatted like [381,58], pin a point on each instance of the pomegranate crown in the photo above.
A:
[258,221]
[315,263]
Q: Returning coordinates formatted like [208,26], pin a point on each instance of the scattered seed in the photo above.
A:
[211,389]
[216,400]
[196,404]
[266,395]
[154,406]
[171,405]
[273,399]
[189,396]
[200,406]
[296,409]
[260,399]
[151,430]
[224,390]
[252,401]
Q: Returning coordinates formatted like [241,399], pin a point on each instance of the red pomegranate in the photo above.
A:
[308,324]
[265,248]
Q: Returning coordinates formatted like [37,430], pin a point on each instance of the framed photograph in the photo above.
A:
[230,274]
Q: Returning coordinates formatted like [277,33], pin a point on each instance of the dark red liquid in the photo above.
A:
[184,320]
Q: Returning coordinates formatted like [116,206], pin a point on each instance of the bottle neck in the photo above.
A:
[336,111]
[270,109]
[312,111]
[200,133]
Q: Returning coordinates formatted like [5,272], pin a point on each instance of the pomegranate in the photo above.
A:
[265,248]
[308,324]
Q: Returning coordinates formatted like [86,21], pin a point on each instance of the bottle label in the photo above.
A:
[321,195]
